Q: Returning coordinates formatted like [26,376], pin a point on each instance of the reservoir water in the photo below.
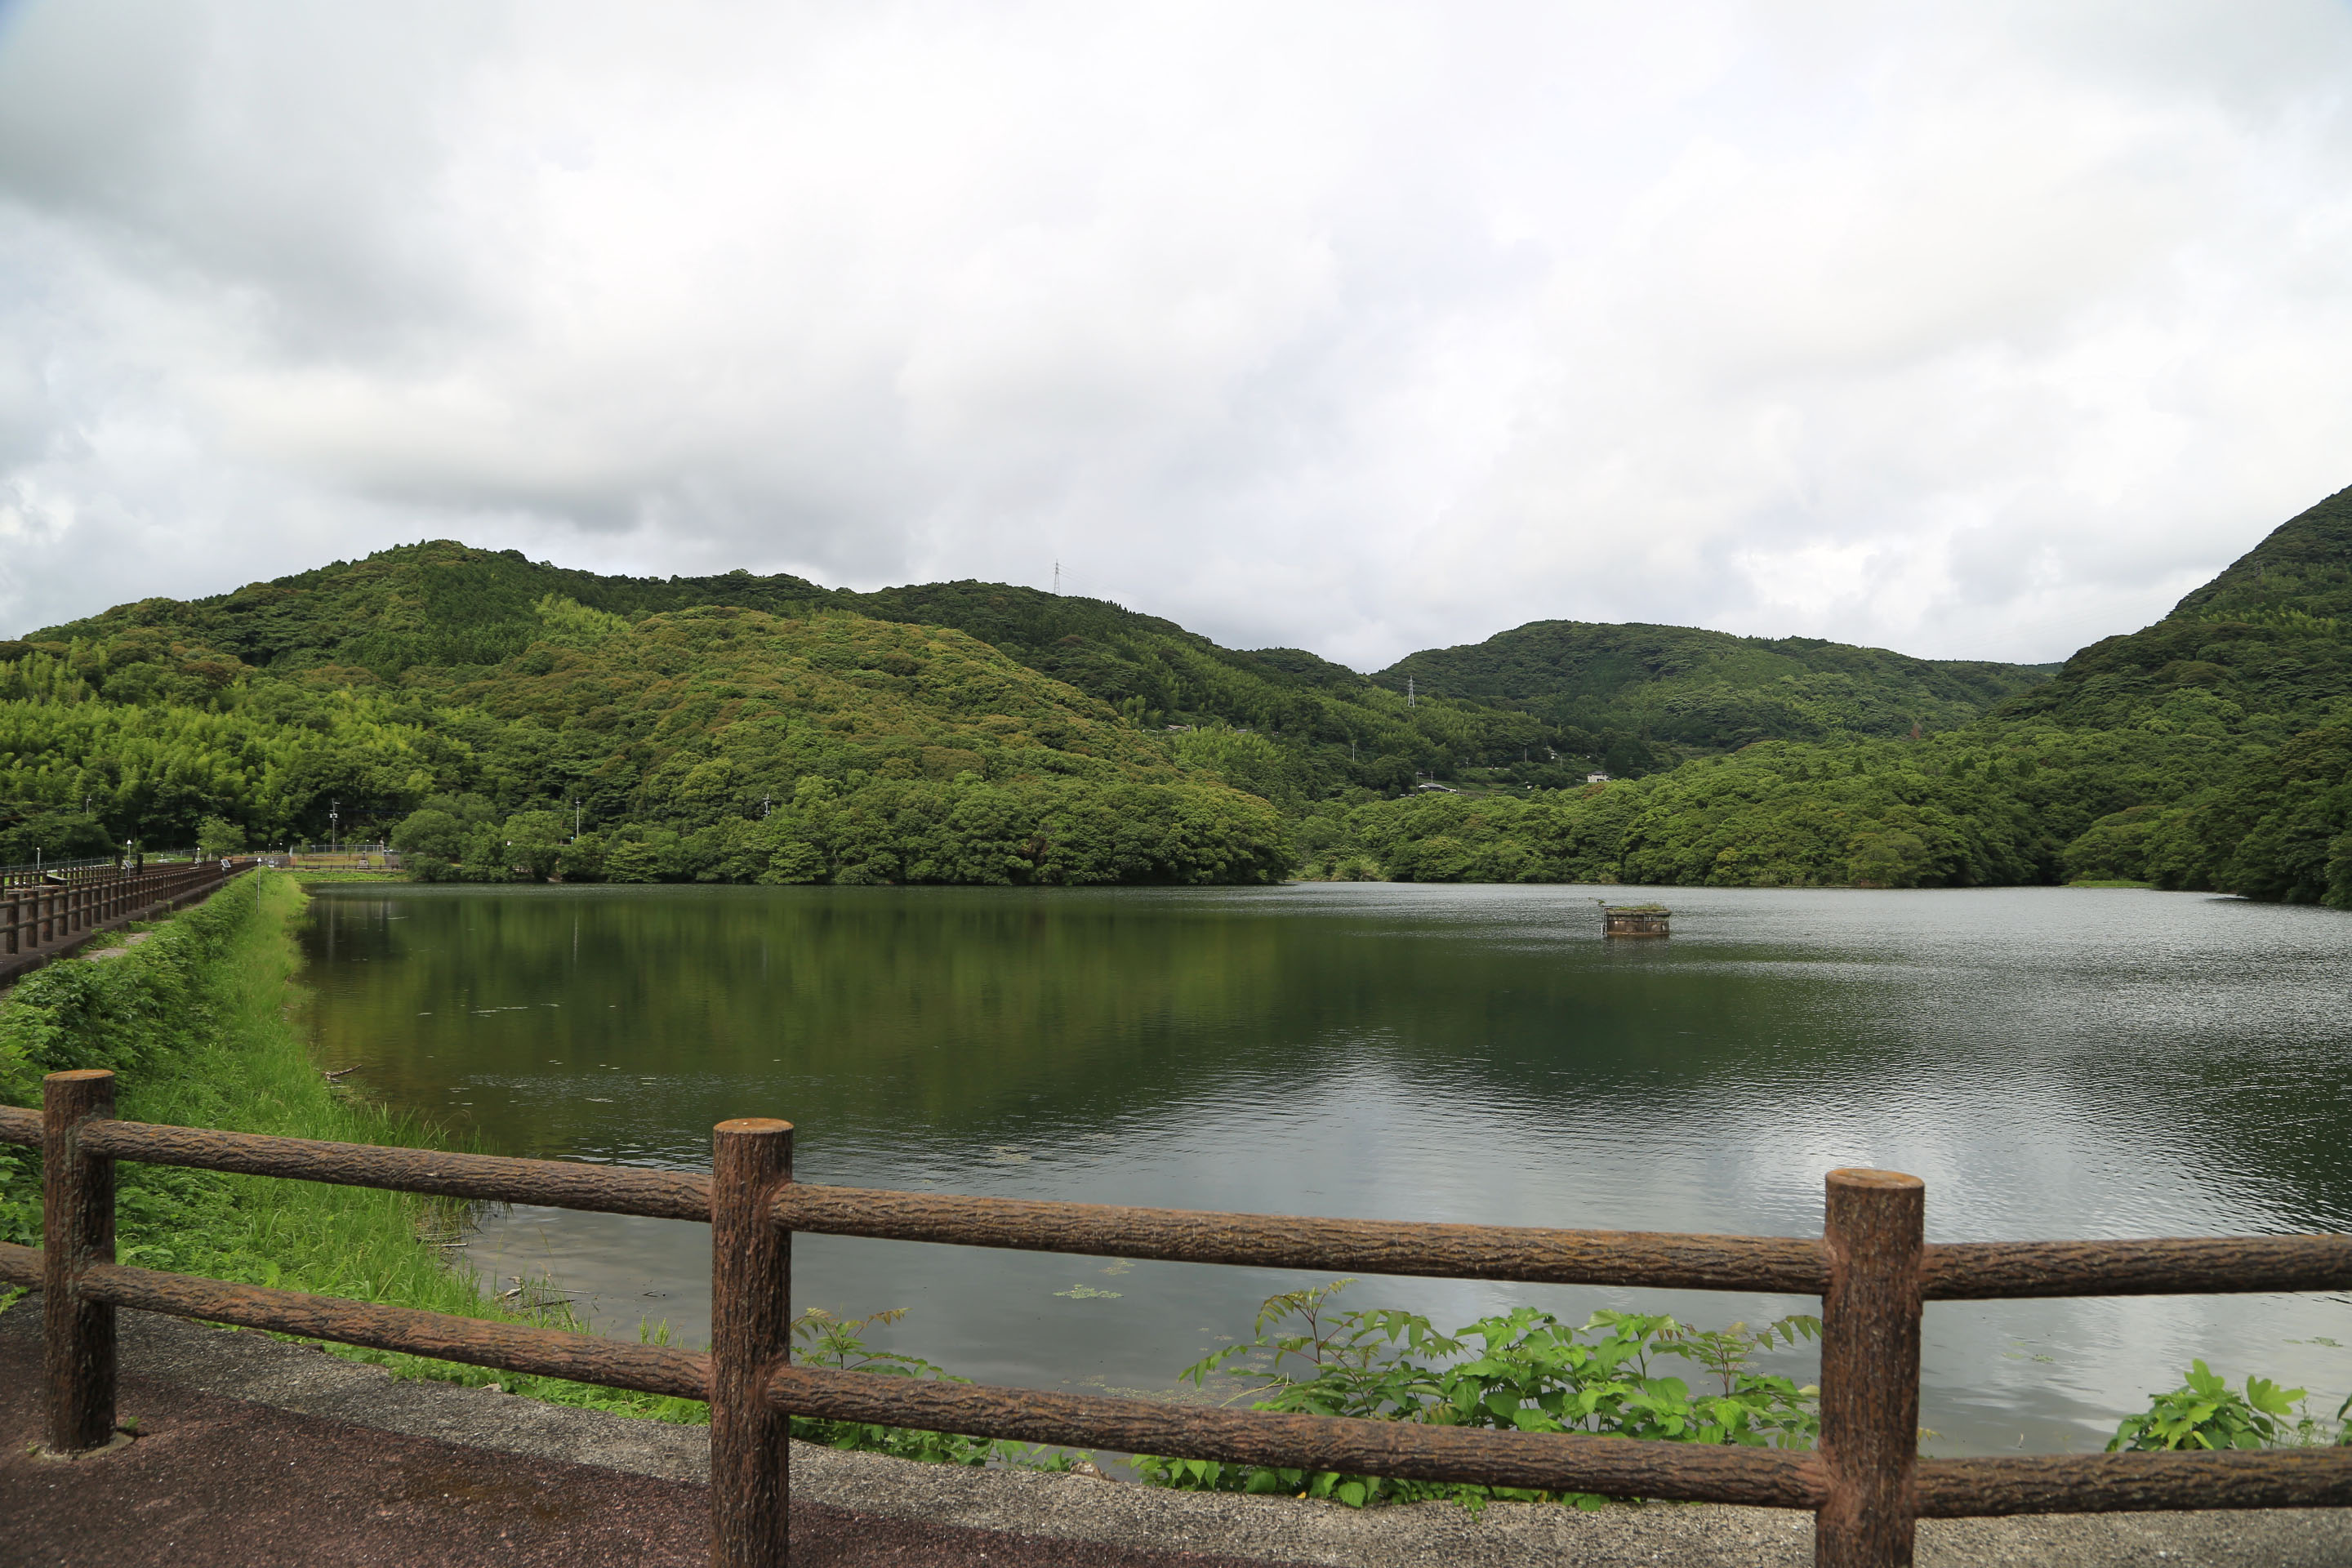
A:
[2053,1062]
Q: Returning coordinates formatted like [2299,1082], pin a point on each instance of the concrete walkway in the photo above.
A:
[255,1451]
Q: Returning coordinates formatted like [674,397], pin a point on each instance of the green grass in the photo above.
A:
[197,1022]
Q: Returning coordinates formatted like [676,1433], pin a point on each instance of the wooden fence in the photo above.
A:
[40,915]
[1865,1485]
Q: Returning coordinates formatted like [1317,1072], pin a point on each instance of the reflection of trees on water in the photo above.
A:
[944,1008]
[948,1011]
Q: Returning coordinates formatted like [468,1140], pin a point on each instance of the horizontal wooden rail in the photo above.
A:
[1613,1467]
[1549,1461]
[2130,1483]
[1781,1263]
[1865,1483]
[1949,1271]
[2160,1266]
[1948,1489]
[509,1347]
[492,1178]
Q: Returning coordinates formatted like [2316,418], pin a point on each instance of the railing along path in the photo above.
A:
[1866,1485]
[40,914]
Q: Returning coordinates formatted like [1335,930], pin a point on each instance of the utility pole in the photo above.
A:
[334,824]
[576,819]
[767,806]
[1057,579]
[1410,700]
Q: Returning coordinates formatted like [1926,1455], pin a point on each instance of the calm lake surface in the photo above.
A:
[2053,1062]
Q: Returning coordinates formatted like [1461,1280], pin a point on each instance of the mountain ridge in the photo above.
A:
[444,604]
[705,720]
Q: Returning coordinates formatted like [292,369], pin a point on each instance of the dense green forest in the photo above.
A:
[742,728]
[2212,750]
[1284,723]
[1657,692]
[709,742]
[423,610]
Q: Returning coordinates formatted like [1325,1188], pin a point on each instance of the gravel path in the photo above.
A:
[255,1451]
[242,1484]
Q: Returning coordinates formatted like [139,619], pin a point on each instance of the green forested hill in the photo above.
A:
[436,604]
[1318,727]
[1282,721]
[1639,686]
[706,741]
[743,727]
[2265,648]
[2212,750]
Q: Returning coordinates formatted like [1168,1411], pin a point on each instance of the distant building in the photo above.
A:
[1597,778]
[1432,785]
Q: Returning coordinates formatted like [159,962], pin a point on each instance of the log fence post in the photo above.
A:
[77,1230]
[750,1332]
[1874,1223]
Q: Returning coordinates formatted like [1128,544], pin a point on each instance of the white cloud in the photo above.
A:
[1980,331]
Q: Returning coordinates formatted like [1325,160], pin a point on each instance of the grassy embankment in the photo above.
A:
[195,1021]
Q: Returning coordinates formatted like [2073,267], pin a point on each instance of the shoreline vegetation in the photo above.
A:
[198,1022]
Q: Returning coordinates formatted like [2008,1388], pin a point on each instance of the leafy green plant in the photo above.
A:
[826,1340]
[2206,1413]
[1520,1371]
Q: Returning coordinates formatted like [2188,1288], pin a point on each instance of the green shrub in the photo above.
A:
[2206,1413]
[1527,1371]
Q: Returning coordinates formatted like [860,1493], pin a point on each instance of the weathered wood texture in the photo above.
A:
[78,1225]
[750,1334]
[20,1266]
[2121,1483]
[1866,1484]
[1950,1271]
[1615,1467]
[1665,1261]
[1870,1370]
[557,1184]
[2162,1266]
[511,1347]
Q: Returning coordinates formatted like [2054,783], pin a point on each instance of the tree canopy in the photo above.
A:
[745,728]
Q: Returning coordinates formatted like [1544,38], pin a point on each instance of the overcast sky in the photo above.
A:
[1976,330]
